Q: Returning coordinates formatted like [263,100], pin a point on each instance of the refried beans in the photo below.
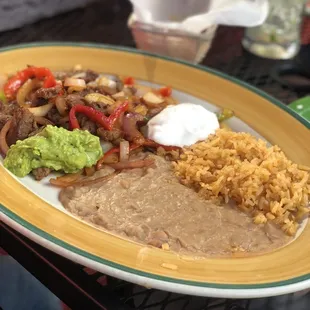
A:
[151,206]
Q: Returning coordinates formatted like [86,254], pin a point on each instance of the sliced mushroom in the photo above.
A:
[79,75]
[141,109]
[109,86]
[119,95]
[104,81]
[119,83]
[75,82]
[142,89]
[92,84]
[152,100]
[97,97]
[129,90]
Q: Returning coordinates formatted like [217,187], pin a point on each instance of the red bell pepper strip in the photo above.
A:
[113,151]
[165,91]
[15,82]
[116,114]
[117,149]
[96,116]
[49,82]
[151,143]
[90,112]
[129,80]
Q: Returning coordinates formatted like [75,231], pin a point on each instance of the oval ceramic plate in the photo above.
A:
[33,209]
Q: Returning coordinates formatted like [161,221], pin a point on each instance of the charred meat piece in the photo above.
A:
[54,116]
[152,112]
[78,98]
[35,100]
[74,99]
[47,93]
[104,90]
[99,106]
[60,75]
[6,112]
[110,136]
[87,124]
[8,108]
[35,132]
[84,92]
[119,83]
[3,119]
[90,76]
[41,173]
[23,123]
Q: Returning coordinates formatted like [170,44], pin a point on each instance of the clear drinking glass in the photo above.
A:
[279,36]
[172,43]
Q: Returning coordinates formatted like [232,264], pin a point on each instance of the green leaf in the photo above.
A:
[2,96]
[302,107]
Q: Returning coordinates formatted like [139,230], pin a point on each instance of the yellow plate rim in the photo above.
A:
[20,221]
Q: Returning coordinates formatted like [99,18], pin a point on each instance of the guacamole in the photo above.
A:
[55,148]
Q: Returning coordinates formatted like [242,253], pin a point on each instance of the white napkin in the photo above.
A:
[196,15]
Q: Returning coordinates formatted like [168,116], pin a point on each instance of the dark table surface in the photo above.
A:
[80,288]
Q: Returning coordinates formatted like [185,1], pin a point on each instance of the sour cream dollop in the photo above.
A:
[182,125]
